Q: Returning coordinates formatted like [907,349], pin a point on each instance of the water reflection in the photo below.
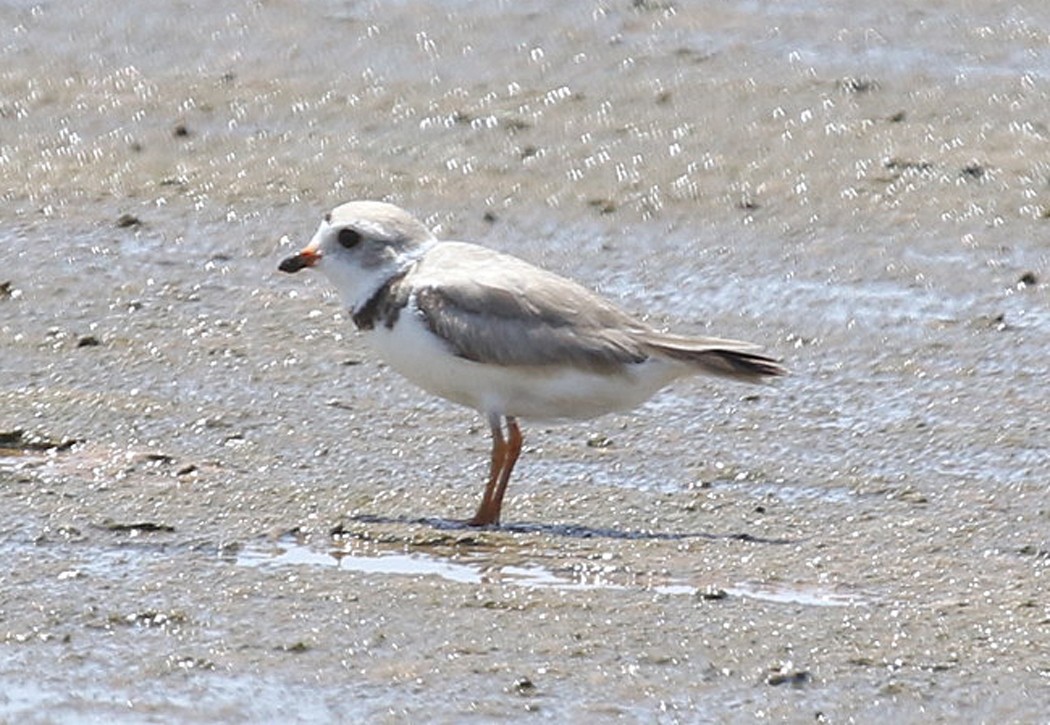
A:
[482,568]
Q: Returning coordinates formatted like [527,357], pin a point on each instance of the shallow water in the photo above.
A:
[862,189]
[477,568]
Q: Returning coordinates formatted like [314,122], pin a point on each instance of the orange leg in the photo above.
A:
[505,454]
[513,450]
[485,516]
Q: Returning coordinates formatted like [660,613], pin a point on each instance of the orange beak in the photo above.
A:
[306,258]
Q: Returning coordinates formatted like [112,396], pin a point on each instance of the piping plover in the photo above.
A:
[494,333]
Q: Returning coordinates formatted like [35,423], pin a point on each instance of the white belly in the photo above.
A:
[535,393]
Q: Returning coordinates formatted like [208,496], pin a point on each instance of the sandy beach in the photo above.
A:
[217,505]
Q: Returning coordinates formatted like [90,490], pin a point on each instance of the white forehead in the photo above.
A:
[379,220]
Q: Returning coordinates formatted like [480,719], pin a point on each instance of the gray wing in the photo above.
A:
[494,308]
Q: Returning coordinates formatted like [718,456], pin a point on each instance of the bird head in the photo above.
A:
[360,245]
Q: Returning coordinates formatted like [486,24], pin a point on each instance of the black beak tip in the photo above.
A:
[292,264]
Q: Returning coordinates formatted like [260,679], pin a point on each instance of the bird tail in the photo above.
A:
[726,358]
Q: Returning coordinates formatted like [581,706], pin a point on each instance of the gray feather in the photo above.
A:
[493,308]
[726,358]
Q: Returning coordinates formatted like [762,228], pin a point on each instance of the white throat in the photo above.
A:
[354,293]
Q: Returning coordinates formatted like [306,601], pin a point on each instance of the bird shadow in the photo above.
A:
[569,531]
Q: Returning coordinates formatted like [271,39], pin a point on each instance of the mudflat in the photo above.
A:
[217,505]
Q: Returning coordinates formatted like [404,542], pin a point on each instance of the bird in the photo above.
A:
[492,332]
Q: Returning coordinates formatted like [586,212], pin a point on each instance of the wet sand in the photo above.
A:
[217,505]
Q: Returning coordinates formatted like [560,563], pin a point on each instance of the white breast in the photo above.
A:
[536,393]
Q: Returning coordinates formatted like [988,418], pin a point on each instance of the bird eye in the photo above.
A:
[349,238]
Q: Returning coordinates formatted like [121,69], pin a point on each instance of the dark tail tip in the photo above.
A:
[741,364]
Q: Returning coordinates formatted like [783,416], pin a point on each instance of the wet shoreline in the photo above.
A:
[217,505]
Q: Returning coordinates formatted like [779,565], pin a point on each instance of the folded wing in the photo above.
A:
[512,313]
